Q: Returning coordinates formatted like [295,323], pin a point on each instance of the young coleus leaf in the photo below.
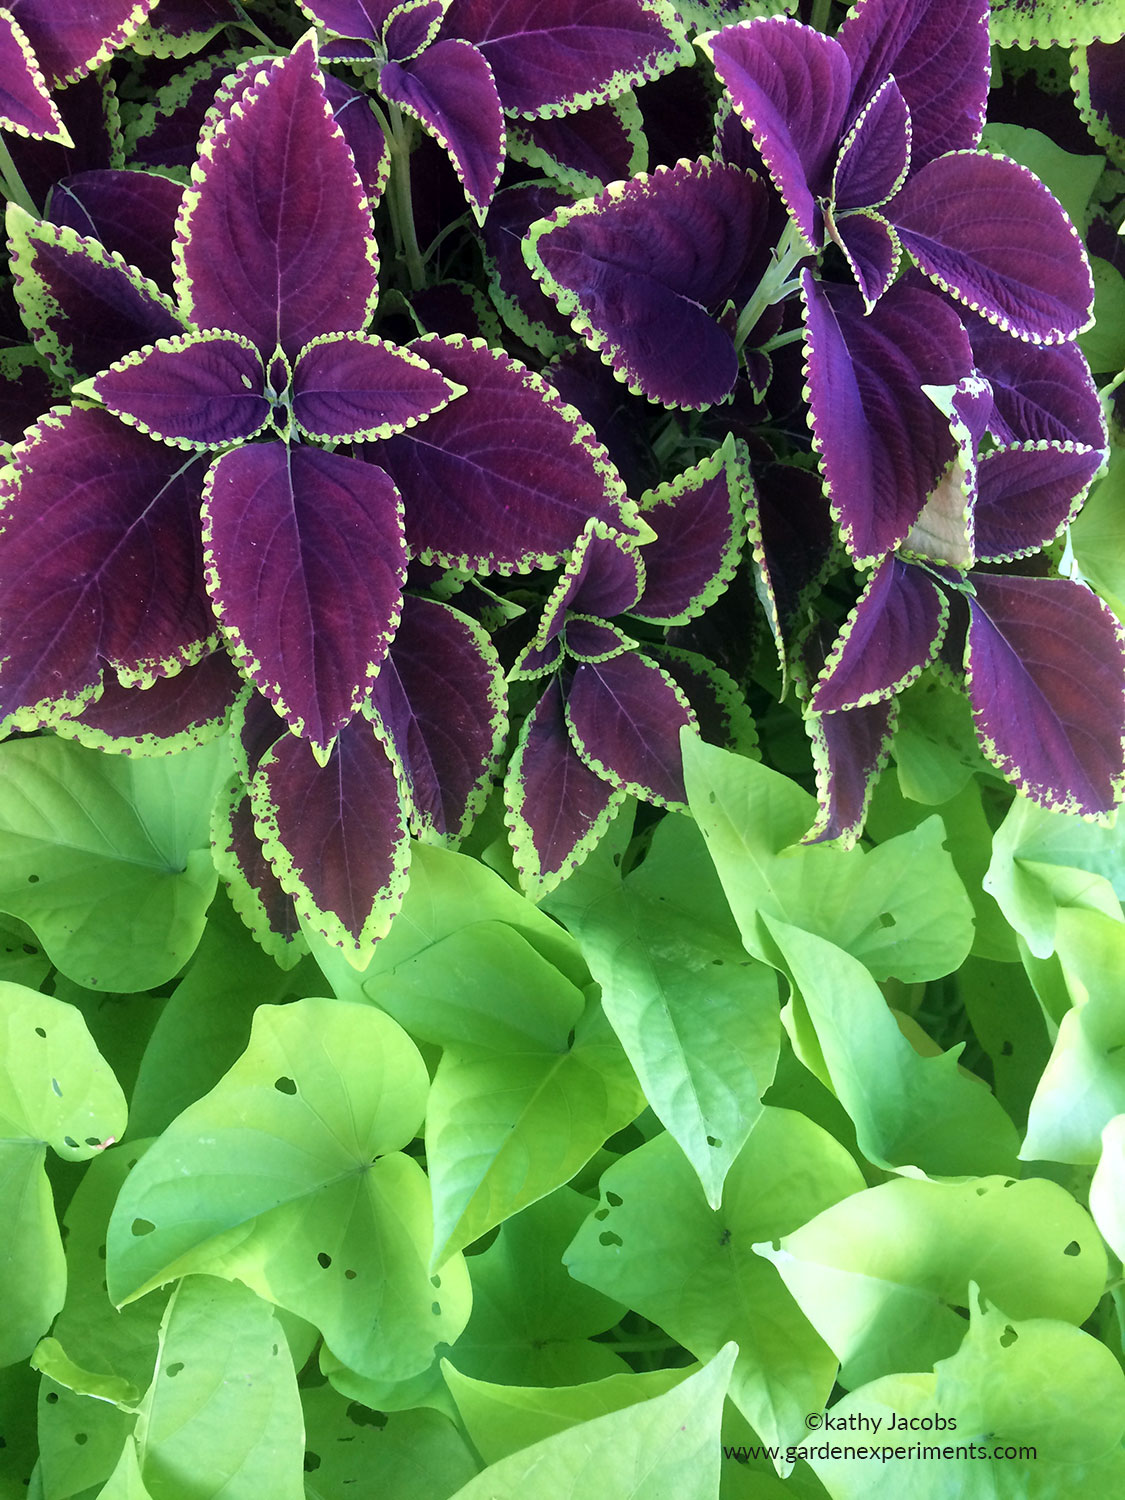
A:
[100,561]
[644,271]
[274,239]
[440,698]
[604,575]
[1045,672]
[944,530]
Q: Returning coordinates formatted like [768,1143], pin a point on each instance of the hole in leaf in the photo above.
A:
[435,1308]
[1010,1182]
[81,1438]
[324,1259]
[30,949]
[1008,1337]
[1074,1248]
[607,1237]
[614,1200]
[101,1252]
[275,1349]
[435,1281]
[52,1397]
[55,1089]
[174,1369]
[617,860]
[1117,1046]
[33,880]
[717,962]
[1006,1049]
[713,1140]
[570,1038]
[981,1191]
[68,1140]
[39,1031]
[350,1275]
[312,1462]
[724,1237]
[886,919]
[364,1416]
[601,1213]
[285,1086]
[143,1226]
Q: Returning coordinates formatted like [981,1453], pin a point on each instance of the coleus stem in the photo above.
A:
[777,284]
[401,204]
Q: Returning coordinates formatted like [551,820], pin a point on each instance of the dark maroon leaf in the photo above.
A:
[255,728]
[1039,392]
[891,634]
[83,307]
[505,477]
[619,418]
[792,541]
[168,134]
[593,640]
[335,834]
[26,105]
[355,116]
[937,51]
[625,717]
[553,56]
[699,520]
[872,249]
[411,27]
[351,387]
[198,390]
[353,18]
[883,444]
[275,237]
[535,661]
[440,697]
[1046,681]
[71,36]
[716,699]
[1101,97]
[592,147]
[449,88]
[791,87]
[534,315]
[253,888]
[162,718]
[133,213]
[849,750]
[1026,495]
[557,808]
[875,156]
[99,560]
[603,576]
[987,231]
[643,270]
[305,565]
[91,114]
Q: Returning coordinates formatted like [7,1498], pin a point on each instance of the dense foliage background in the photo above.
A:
[562,690]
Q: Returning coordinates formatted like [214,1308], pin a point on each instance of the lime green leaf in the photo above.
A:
[19,1386]
[531,1323]
[668,1445]
[935,746]
[1097,536]
[107,857]
[698,1019]
[502,1419]
[505,1128]
[1071,178]
[908,1110]
[271,1180]
[53,1360]
[1104,343]
[881,1274]
[125,1483]
[655,1243]
[899,908]
[1083,1084]
[222,1414]
[1107,1190]
[351,1449]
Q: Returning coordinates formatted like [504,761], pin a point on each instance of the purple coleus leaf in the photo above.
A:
[557,808]
[588,639]
[169,715]
[791,545]
[254,890]
[350,387]
[990,234]
[503,479]
[449,89]
[1046,682]
[875,156]
[700,522]
[523,304]
[26,105]
[305,565]
[625,716]
[100,561]
[585,150]
[1027,494]
[550,57]
[892,633]
[1039,392]
[883,444]
[849,750]
[351,18]
[604,575]
[335,834]
[644,271]
[440,698]
[133,213]
[274,238]
[83,306]
[71,37]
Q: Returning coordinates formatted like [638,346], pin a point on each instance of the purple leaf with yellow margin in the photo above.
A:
[198,390]
[644,270]
[335,834]
[849,750]
[70,37]
[133,213]
[1046,682]
[305,565]
[505,477]
[169,715]
[550,57]
[1038,391]
[440,698]
[883,445]
[892,633]
[988,232]
[255,893]
[875,156]
[604,575]
[274,238]
[625,717]
[26,105]
[100,561]
[1027,493]
[557,808]
[351,387]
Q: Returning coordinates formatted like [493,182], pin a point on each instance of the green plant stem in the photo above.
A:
[821,11]
[12,184]
[775,285]
[401,205]
[248,25]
